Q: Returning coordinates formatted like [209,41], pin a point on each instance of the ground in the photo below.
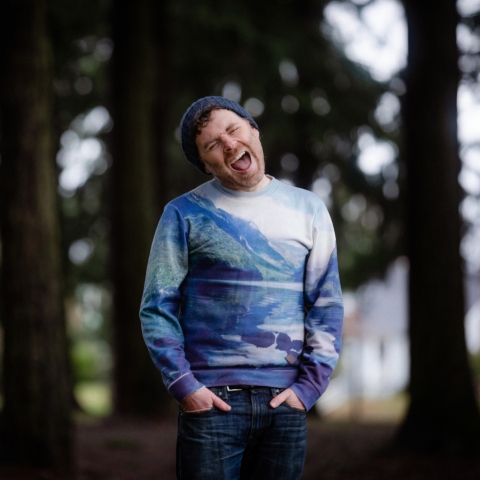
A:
[145,450]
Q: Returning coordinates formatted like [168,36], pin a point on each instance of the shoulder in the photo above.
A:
[298,198]
[190,199]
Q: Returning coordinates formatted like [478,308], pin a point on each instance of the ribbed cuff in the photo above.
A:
[184,386]
[305,393]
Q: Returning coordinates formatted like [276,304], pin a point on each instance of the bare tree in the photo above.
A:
[443,412]
[36,426]
[136,185]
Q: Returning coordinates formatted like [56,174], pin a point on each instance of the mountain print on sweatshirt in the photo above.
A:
[243,288]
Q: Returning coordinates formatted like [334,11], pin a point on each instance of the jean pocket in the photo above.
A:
[293,409]
[197,412]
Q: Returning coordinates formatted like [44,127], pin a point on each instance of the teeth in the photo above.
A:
[239,156]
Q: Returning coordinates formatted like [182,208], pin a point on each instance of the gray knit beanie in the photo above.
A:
[186,125]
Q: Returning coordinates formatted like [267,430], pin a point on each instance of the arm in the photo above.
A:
[162,332]
[323,322]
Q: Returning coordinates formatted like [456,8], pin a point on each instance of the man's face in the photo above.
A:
[230,150]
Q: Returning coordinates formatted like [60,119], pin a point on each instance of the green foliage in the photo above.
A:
[475,365]
[95,398]
[88,314]
[91,360]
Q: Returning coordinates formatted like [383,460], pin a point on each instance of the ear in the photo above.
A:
[255,131]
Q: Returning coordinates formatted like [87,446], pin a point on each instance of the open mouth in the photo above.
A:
[243,162]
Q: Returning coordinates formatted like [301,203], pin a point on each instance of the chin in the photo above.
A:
[247,182]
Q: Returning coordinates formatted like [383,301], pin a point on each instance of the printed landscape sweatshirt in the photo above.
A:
[242,288]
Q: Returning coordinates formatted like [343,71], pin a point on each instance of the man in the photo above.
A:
[242,308]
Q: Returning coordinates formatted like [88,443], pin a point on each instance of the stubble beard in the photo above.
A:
[238,181]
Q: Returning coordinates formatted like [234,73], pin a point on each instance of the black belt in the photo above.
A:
[236,388]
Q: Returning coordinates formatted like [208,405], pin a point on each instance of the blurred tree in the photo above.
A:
[36,424]
[81,50]
[443,413]
[136,183]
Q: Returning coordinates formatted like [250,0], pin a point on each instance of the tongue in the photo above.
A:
[242,163]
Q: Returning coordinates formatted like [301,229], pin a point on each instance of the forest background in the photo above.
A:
[92,93]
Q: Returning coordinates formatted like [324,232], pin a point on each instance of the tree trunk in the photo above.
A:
[138,385]
[36,424]
[443,413]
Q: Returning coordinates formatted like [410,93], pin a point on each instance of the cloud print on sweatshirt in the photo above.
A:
[231,291]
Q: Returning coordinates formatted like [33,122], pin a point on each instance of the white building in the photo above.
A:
[375,356]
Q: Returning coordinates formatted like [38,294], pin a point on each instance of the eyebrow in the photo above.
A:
[214,139]
[208,142]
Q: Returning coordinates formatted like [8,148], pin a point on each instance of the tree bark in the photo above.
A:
[36,424]
[138,385]
[443,413]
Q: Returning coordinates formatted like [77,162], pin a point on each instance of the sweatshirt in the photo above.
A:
[242,288]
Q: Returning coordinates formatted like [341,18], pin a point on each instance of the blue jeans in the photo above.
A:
[252,441]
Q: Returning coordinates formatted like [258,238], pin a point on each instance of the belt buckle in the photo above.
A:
[233,389]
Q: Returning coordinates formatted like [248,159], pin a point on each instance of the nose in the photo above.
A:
[228,143]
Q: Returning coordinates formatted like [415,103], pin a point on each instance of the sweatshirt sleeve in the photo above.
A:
[324,306]
[162,332]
